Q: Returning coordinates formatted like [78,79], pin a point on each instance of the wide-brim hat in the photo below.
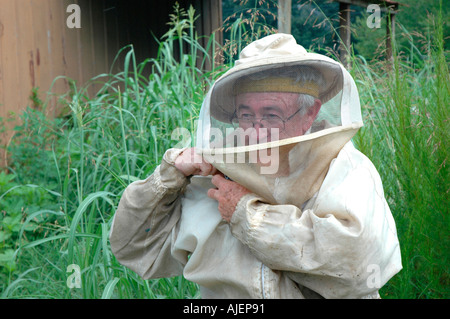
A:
[272,52]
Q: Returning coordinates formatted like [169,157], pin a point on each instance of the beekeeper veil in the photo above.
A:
[274,122]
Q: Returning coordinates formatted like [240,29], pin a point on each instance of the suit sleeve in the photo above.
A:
[144,224]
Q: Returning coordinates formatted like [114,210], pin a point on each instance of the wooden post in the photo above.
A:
[390,33]
[284,16]
[344,33]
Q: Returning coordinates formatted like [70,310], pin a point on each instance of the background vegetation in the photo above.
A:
[66,175]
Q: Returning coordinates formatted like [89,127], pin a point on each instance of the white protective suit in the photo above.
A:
[316,223]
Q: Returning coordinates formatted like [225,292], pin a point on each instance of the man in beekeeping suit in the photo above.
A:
[274,201]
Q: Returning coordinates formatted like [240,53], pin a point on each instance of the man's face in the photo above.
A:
[273,110]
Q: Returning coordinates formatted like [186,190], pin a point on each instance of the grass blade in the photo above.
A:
[109,289]
[80,211]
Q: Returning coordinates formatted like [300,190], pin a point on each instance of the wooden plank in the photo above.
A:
[70,54]
[93,87]
[2,45]
[4,136]
[85,44]
[42,53]
[98,42]
[390,34]
[99,37]
[284,16]
[8,45]
[216,19]
[219,22]
[344,32]
[57,23]
[9,73]
[25,54]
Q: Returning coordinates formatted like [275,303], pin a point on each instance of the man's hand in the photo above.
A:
[228,194]
[191,163]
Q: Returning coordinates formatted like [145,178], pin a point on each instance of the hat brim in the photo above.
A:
[222,106]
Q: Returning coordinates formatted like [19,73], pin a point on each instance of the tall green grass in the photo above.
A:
[71,171]
[407,137]
[102,143]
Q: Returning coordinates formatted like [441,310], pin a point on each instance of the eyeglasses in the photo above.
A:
[268,120]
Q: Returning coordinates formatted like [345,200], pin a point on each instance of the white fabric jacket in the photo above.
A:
[341,244]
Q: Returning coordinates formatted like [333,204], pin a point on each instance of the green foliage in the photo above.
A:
[31,152]
[314,24]
[407,137]
[413,31]
[17,204]
[245,21]
[86,158]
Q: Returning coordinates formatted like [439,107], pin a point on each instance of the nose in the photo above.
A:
[261,132]
[257,124]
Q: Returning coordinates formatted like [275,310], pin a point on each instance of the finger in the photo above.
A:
[213,171]
[217,180]
[212,193]
[206,169]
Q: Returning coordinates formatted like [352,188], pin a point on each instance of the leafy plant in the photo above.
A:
[407,137]
[17,203]
[246,21]
[31,148]
[88,157]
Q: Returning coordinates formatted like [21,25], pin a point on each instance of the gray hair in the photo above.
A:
[305,101]
[300,74]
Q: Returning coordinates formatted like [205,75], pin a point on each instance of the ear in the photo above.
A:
[311,115]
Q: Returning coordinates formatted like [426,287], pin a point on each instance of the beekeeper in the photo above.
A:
[274,201]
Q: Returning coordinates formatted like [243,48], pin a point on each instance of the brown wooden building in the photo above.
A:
[37,44]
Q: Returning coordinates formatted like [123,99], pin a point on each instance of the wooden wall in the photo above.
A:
[36,46]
